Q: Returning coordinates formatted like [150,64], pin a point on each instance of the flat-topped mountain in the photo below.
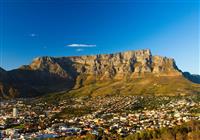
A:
[55,74]
[108,66]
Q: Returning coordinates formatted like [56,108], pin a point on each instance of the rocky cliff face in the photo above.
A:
[49,74]
[108,66]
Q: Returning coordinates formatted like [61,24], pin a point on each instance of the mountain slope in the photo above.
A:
[134,72]
[192,77]
[148,85]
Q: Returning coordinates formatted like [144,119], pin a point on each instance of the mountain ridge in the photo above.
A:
[55,74]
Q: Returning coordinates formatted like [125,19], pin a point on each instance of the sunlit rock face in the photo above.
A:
[51,74]
[121,65]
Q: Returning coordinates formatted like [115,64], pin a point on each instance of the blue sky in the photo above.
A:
[32,28]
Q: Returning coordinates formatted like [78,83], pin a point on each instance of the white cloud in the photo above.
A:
[81,45]
[79,50]
[32,35]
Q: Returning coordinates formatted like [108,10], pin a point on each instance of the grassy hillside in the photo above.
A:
[139,86]
[149,85]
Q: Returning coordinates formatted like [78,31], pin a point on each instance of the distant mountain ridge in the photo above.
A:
[55,74]
[192,77]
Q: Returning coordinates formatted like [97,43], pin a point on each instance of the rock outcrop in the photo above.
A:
[51,74]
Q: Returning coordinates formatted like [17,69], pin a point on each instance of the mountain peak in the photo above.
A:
[50,74]
[108,66]
[114,65]
[139,52]
[2,70]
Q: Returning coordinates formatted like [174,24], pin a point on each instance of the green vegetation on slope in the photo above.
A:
[150,85]
[138,86]
[70,112]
